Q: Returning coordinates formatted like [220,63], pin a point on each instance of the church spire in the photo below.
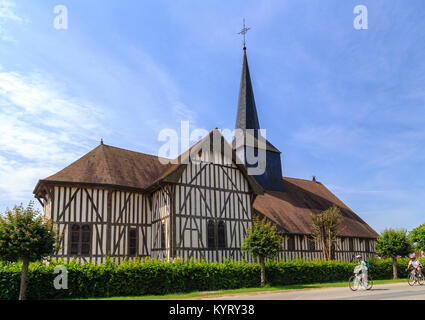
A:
[247,117]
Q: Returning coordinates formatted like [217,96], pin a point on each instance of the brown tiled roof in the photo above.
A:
[110,166]
[291,209]
[106,165]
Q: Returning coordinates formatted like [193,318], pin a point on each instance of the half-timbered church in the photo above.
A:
[124,204]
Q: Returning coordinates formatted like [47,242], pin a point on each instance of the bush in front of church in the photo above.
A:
[154,277]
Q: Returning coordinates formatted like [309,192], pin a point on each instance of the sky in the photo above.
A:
[343,104]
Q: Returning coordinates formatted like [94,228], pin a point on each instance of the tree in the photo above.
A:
[393,243]
[324,229]
[262,241]
[25,236]
[417,237]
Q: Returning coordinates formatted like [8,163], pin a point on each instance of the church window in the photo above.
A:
[367,246]
[132,241]
[291,243]
[75,238]
[221,235]
[311,244]
[211,234]
[163,246]
[351,244]
[80,239]
[85,239]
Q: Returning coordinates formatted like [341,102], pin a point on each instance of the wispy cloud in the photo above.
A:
[7,11]
[7,16]
[42,129]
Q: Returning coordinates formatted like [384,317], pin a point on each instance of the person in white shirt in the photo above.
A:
[415,264]
[362,267]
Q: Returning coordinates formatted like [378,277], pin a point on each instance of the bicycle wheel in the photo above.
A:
[353,283]
[421,280]
[369,283]
[412,279]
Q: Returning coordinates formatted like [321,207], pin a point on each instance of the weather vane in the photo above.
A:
[244,32]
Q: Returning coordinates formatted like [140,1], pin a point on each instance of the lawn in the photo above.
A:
[208,294]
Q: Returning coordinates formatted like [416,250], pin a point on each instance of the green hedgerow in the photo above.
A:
[153,277]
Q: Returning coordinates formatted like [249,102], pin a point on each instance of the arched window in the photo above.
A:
[211,234]
[221,235]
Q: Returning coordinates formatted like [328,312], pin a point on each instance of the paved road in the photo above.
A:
[396,291]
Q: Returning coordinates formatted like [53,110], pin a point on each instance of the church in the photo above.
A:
[125,204]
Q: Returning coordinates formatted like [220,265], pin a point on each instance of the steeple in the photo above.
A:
[247,117]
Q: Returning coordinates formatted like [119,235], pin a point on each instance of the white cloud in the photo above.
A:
[7,11]
[7,15]
[42,129]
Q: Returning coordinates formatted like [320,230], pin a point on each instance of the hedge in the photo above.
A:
[154,277]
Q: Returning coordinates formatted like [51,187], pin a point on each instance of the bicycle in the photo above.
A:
[414,277]
[356,280]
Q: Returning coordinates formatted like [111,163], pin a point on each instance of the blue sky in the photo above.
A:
[343,104]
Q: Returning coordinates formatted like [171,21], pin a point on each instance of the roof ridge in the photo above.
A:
[283,177]
[143,153]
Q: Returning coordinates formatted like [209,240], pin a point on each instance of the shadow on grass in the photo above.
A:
[241,291]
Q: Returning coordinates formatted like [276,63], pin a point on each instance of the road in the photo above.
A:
[395,291]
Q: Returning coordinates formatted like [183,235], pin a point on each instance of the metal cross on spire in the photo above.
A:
[244,32]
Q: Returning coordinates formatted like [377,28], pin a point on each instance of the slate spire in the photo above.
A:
[247,117]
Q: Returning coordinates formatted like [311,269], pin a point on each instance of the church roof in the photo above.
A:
[107,165]
[119,168]
[291,209]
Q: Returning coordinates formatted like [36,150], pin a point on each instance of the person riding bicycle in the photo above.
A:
[415,264]
[362,267]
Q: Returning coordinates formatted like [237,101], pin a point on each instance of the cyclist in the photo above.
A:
[415,264]
[362,267]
